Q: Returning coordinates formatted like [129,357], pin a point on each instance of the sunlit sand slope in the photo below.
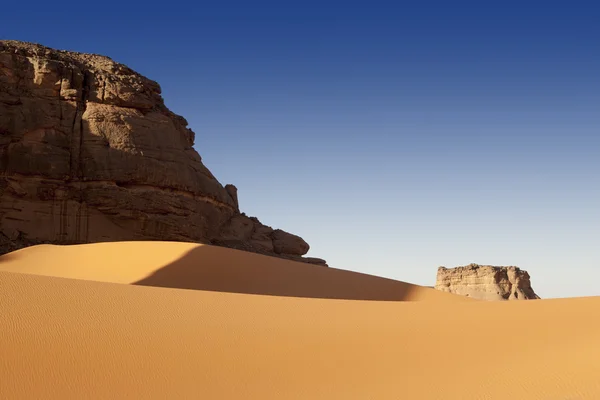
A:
[76,339]
[194,266]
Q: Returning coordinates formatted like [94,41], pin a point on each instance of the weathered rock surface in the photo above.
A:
[486,282]
[90,153]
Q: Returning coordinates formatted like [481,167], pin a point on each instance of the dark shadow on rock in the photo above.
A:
[226,270]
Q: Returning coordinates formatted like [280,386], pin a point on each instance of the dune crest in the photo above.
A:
[205,267]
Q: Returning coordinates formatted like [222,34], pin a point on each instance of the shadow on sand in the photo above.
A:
[226,270]
[4,258]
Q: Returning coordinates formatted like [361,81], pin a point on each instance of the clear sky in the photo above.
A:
[394,137]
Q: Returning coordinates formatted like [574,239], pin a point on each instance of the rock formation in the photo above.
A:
[90,153]
[486,282]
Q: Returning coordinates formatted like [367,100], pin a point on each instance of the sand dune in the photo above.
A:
[195,266]
[72,339]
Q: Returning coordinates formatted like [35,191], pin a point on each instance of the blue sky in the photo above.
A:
[394,137]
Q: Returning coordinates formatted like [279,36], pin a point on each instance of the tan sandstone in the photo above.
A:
[90,153]
[486,282]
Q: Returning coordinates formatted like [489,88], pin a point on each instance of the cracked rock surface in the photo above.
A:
[486,282]
[90,153]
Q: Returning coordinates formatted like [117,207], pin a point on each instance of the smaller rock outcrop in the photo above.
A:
[486,282]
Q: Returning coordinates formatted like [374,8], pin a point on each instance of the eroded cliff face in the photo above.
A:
[486,282]
[90,153]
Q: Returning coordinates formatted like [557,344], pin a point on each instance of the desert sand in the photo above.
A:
[89,322]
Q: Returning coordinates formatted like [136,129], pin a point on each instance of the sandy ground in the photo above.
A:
[100,337]
[201,267]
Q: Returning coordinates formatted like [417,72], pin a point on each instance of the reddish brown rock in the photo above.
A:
[486,282]
[233,193]
[90,153]
[286,243]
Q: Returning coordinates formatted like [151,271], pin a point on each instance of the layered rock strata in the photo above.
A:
[486,282]
[90,153]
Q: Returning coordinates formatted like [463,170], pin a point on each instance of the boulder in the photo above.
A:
[287,243]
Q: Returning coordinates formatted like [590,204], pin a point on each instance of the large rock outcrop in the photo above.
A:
[90,153]
[486,282]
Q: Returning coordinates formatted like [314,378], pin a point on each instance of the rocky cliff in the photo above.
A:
[90,153]
[486,282]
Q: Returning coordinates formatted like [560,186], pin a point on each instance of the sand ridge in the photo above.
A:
[64,338]
[204,267]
